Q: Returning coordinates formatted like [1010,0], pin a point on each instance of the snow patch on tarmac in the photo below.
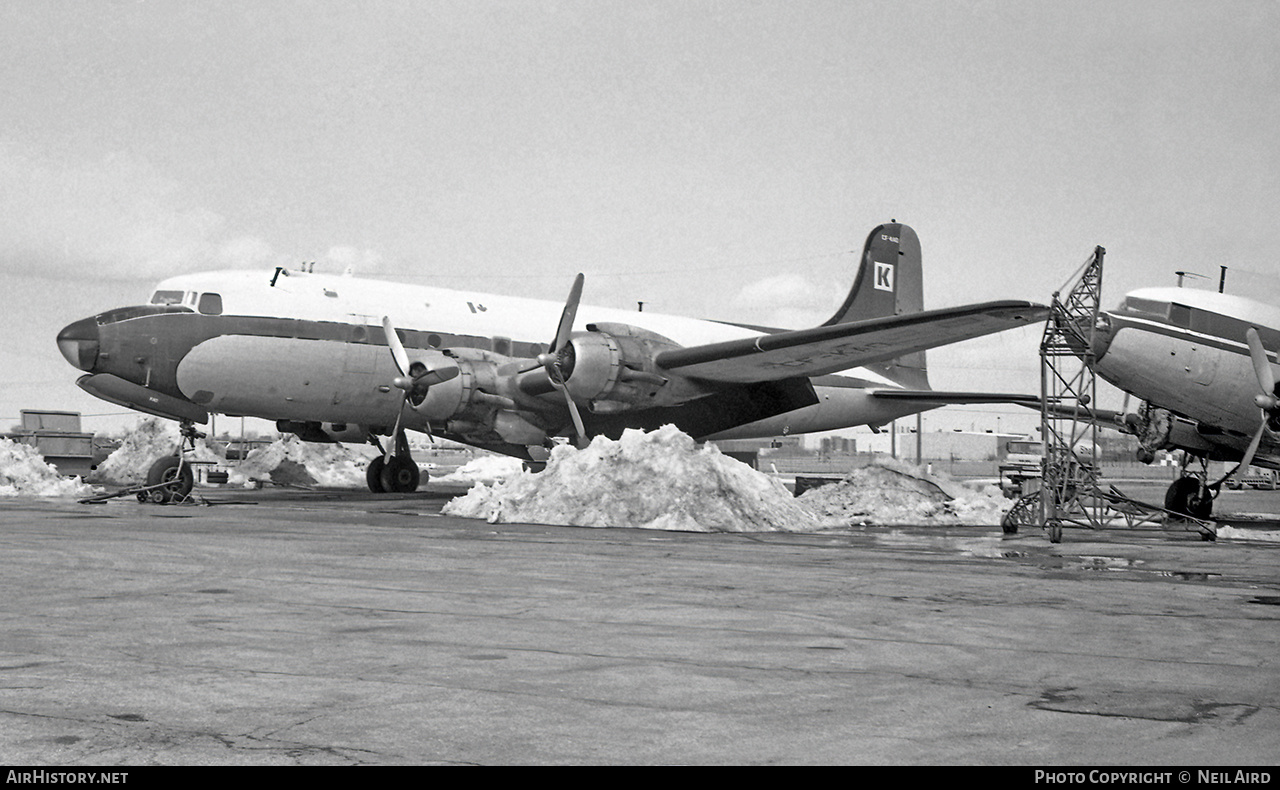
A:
[884,490]
[660,480]
[23,472]
[291,461]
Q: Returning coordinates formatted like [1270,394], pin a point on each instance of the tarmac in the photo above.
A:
[283,627]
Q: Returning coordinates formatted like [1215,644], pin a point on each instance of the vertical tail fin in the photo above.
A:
[889,282]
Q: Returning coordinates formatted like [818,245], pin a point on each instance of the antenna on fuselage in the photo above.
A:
[1189,274]
[1222,280]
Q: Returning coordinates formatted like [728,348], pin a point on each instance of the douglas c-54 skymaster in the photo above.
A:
[336,358]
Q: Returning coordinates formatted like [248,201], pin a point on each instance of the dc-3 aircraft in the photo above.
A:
[1201,362]
[337,358]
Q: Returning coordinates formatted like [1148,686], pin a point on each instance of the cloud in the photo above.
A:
[788,301]
[118,218]
[359,261]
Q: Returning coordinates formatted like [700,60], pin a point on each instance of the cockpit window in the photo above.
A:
[1133,304]
[126,313]
[1180,315]
[210,304]
[166,297]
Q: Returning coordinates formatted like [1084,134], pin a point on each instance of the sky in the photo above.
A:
[716,159]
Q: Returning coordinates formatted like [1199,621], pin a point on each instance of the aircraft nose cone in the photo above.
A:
[78,342]
[1103,333]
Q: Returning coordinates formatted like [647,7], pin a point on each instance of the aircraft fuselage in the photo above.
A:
[310,348]
[1185,351]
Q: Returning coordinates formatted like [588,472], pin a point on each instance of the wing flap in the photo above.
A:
[828,349]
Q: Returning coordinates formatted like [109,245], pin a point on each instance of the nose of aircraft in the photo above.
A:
[1103,333]
[78,342]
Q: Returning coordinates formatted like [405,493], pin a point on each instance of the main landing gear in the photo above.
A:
[1191,495]
[393,473]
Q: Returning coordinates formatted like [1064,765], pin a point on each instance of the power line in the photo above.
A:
[690,269]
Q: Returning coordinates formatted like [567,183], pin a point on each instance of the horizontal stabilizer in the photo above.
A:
[958,398]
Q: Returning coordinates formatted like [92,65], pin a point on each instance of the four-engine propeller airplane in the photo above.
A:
[337,358]
[1201,362]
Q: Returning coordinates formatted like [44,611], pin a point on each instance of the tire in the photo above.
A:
[170,469]
[1189,497]
[400,476]
[373,475]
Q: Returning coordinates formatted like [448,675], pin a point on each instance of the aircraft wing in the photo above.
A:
[836,347]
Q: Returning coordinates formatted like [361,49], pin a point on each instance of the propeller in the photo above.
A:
[1266,398]
[415,378]
[561,352]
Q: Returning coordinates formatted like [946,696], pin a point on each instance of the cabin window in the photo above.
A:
[434,341]
[166,297]
[210,304]
[502,345]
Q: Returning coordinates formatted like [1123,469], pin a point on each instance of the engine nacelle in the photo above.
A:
[610,367]
[479,389]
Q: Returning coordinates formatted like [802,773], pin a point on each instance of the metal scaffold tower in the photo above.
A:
[1070,494]
[1068,390]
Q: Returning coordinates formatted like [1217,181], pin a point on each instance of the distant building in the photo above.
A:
[56,435]
[946,446]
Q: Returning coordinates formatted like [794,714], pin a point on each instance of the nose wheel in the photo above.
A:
[168,480]
[1190,497]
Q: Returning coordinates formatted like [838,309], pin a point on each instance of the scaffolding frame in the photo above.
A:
[1070,494]
[1068,390]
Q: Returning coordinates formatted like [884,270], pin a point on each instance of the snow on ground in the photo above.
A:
[1234,533]
[291,461]
[150,440]
[483,469]
[664,480]
[889,491]
[23,472]
[658,480]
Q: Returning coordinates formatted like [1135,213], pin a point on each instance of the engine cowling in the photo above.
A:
[610,367]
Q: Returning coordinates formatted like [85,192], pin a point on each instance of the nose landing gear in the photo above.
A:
[170,478]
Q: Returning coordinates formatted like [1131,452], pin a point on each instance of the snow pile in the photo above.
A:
[888,491]
[291,461]
[153,438]
[659,480]
[23,472]
[1233,533]
[485,469]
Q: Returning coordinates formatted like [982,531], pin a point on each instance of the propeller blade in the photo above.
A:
[1261,366]
[569,314]
[578,427]
[397,349]
[1253,447]
[436,376]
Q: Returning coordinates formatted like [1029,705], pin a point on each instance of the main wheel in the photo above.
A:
[1190,497]
[400,475]
[171,470]
[373,475]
